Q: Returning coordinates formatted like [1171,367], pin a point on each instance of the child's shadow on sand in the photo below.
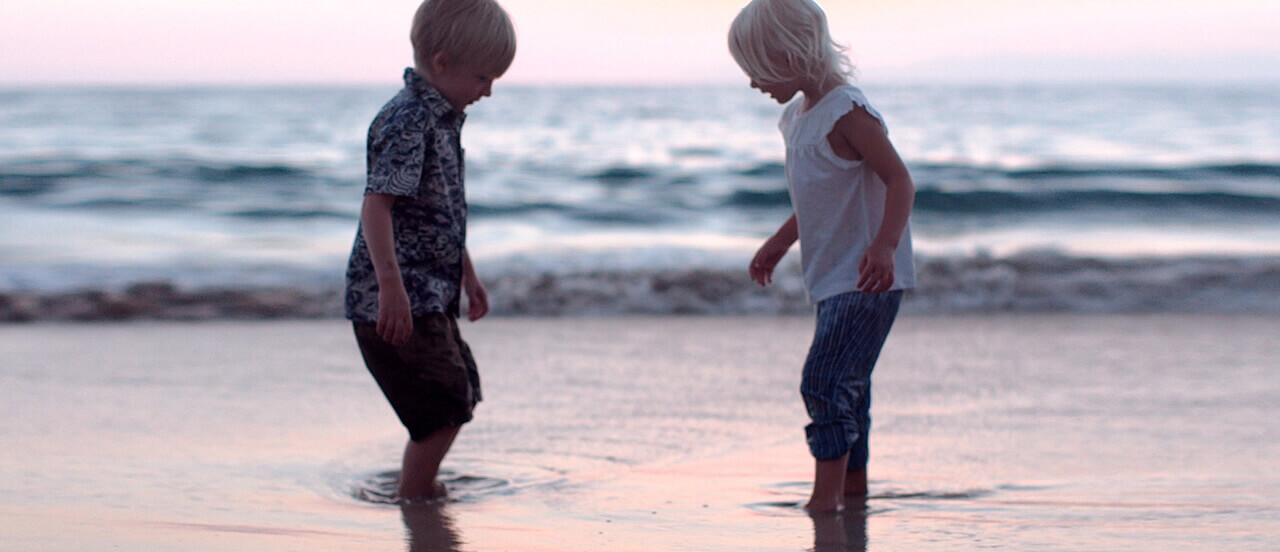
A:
[430,528]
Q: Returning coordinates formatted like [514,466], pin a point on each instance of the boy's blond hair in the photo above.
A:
[474,32]
[778,40]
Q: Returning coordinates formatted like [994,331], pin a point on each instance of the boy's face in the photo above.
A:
[461,84]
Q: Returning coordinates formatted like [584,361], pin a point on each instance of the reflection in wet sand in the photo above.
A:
[430,527]
[844,531]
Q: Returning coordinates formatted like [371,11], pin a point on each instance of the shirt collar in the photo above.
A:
[432,98]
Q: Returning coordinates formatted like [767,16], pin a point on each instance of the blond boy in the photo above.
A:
[409,265]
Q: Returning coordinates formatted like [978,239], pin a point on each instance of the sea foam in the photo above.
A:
[1032,282]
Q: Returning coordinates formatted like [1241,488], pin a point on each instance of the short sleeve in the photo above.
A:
[396,152]
[860,100]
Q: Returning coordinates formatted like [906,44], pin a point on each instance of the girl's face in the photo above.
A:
[781,92]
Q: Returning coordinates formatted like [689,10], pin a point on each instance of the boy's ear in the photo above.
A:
[439,63]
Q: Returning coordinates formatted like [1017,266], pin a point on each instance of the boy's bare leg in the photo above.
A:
[855,483]
[422,465]
[828,485]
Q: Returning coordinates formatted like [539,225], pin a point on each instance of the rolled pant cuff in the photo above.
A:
[827,442]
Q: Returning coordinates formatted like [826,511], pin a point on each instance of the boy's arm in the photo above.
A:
[477,296]
[772,251]
[395,317]
[867,136]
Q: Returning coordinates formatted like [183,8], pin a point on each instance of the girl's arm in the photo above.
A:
[477,296]
[864,137]
[774,248]
[395,317]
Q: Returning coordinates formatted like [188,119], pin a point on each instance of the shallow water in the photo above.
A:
[1014,433]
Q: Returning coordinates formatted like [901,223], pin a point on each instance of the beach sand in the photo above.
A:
[646,434]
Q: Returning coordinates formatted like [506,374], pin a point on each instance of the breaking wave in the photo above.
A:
[1035,282]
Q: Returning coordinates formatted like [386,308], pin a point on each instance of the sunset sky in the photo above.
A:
[636,41]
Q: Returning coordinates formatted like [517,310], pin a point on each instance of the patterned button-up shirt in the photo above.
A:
[415,153]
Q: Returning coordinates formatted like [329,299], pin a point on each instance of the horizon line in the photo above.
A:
[889,81]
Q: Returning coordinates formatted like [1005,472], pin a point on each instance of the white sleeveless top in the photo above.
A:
[839,203]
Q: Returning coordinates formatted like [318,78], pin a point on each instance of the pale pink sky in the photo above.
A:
[635,41]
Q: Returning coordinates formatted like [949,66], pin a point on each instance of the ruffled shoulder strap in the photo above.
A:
[847,97]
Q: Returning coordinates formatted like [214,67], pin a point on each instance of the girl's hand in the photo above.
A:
[766,259]
[477,298]
[875,270]
[395,317]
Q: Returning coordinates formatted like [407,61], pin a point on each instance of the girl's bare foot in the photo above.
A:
[816,506]
[828,482]
[855,483]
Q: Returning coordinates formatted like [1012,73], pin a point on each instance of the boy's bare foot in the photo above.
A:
[421,465]
[855,483]
[438,490]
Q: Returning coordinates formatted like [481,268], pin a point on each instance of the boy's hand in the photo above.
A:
[477,298]
[875,270]
[766,259]
[395,316]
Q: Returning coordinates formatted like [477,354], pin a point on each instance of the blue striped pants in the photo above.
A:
[836,382]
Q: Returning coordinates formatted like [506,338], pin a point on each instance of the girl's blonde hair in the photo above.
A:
[474,32]
[778,40]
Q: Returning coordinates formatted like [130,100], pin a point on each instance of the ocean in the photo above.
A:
[1087,365]
[242,202]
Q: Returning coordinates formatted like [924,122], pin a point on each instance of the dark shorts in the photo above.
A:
[431,381]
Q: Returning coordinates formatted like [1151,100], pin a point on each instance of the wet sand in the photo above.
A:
[641,434]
